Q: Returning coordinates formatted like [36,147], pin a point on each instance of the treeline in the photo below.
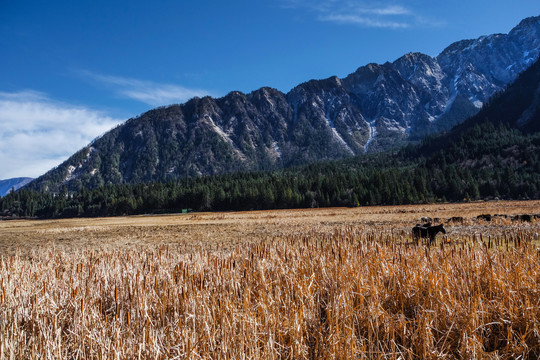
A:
[487,162]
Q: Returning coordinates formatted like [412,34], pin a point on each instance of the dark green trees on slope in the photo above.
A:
[505,165]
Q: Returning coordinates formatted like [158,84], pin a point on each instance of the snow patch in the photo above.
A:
[372,134]
[456,81]
[340,139]
[276,149]
[91,150]
[330,123]
[71,168]
[70,171]
[225,137]
[477,103]
[413,72]
[392,125]
[269,100]
[233,121]
[219,130]
[453,95]
[472,46]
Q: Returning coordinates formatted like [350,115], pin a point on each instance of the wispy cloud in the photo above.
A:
[362,13]
[148,92]
[38,133]
[365,21]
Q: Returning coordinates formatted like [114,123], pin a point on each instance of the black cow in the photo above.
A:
[456,219]
[425,232]
[486,217]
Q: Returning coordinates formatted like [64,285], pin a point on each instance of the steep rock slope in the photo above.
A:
[517,108]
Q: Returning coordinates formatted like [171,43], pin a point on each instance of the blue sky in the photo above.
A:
[71,70]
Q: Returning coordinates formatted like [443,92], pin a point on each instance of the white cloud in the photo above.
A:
[385,10]
[362,13]
[148,92]
[365,21]
[38,133]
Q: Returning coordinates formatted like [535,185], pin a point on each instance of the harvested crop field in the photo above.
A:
[232,229]
[318,283]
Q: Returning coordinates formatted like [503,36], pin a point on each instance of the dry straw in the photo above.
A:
[354,294]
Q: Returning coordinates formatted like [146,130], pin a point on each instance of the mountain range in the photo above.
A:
[378,107]
[494,154]
[16,183]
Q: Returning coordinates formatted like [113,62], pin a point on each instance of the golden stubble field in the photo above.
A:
[286,284]
[230,229]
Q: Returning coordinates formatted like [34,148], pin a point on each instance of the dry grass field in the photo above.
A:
[291,284]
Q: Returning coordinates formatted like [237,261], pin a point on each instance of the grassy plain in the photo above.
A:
[208,230]
[318,283]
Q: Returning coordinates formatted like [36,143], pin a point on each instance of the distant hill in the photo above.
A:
[376,108]
[7,185]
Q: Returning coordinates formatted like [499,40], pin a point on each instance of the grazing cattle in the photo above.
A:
[486,217]
[456,219]
[426,219]
[426,232]
[524,217]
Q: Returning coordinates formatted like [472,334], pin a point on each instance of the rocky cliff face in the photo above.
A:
[375,108]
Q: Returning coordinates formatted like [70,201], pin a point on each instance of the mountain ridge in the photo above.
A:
[377,107]
[492,155]
[7,185]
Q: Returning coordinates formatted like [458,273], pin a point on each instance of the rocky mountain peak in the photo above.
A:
[526,26]
[377,107]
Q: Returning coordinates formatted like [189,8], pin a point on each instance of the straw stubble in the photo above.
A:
[356,293]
